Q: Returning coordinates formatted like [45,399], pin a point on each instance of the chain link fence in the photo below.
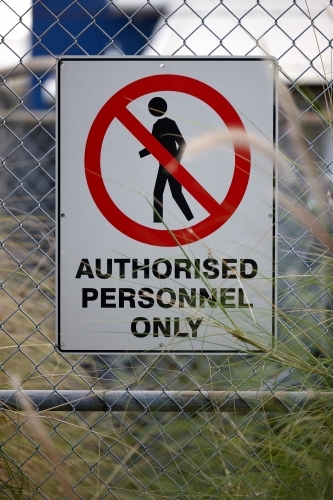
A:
[168,426]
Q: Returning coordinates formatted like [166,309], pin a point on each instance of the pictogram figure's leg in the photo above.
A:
[162,177]
[177,194]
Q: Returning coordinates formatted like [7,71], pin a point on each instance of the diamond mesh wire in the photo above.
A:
[119,455]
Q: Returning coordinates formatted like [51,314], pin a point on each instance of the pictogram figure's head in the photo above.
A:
[157,106]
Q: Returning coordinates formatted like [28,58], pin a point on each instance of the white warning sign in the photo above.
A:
[166,204]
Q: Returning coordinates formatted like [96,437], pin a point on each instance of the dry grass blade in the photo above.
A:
[48,451]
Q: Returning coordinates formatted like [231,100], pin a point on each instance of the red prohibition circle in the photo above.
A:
[115,107]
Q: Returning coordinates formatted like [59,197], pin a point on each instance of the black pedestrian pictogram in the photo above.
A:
[168,134]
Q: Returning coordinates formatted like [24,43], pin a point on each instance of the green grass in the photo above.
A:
[162,455]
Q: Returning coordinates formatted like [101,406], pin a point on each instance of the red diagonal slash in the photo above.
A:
[167,160]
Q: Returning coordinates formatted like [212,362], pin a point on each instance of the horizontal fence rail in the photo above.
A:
[165,401]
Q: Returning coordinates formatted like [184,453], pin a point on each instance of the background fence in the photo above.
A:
[132,442]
